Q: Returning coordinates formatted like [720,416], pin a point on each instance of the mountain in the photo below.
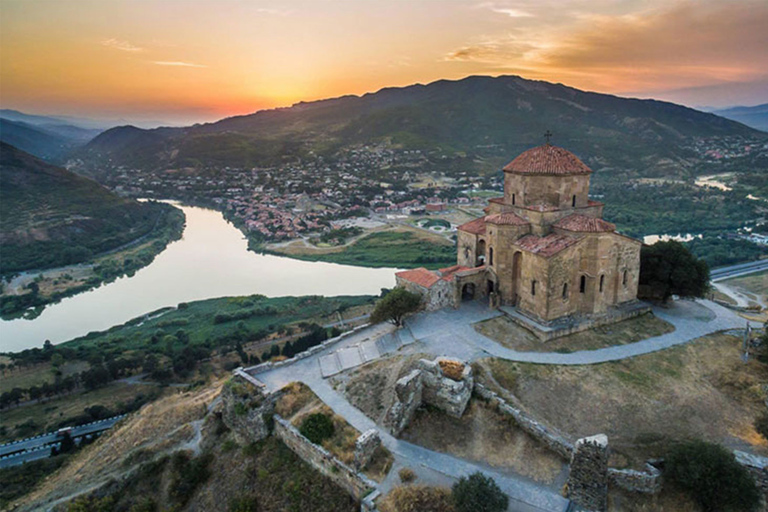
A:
[489,119]
[756,117]
[50,216]
[46,138]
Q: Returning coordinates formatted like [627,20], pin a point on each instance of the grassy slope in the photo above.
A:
[52,217]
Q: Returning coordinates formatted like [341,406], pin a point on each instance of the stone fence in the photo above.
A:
[648,481]
[356,484]
[550,438]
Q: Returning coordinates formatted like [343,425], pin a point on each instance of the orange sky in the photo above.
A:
[183,61]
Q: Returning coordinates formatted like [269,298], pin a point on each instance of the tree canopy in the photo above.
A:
[478,493]
[669,268]
[395,306]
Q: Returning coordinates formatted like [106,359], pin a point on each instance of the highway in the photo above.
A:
[719,274]
[39,447]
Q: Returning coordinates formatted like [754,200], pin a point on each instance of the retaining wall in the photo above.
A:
[357,484]
[647,482]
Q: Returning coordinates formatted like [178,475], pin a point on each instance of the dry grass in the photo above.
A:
[701,390]
[452,369]
[417,498]
[484,435]
[668,500]
[38,374]
[157,427]
[751,285]
[511,335]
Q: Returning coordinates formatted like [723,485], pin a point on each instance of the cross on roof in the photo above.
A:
[547,135]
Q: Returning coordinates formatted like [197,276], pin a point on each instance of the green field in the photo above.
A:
[401,249]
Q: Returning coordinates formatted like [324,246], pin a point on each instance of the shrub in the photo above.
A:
[710,475]
[761,425]
[395,306]
[406,475]
[244,504]
[317,427]
[188,475]
[478,493]
[417,498]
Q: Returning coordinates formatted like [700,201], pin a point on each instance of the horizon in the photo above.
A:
[177,63]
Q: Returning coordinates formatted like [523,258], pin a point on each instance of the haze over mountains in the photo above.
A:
[756,116]
[492,118]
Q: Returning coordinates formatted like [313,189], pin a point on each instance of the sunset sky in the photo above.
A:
[187,61]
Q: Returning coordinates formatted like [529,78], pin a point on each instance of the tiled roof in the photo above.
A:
[507,218]
[447,274]
[420,276]
[546,246]
[582,223]
[547,159]
[476,227]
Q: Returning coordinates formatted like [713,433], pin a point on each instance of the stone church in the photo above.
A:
[543,249]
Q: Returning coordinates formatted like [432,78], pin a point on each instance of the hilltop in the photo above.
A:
[483,116]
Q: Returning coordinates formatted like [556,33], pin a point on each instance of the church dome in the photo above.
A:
[547,159]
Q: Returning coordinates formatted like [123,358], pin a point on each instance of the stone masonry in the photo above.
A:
[247,410]
[365,446]
[588,478]
[443,383]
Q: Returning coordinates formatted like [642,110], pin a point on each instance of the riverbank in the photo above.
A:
[28,293]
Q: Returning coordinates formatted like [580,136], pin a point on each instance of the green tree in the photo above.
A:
[317,427]
[669,268]
[395,306]
[712,477]
[478,493]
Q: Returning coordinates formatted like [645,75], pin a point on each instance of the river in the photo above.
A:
[211,260]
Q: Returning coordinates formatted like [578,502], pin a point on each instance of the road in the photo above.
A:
[719,274]
[33,448]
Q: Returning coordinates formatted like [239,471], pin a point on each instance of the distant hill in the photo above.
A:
[46,138]
[491,119]
[50,216]
[756,117]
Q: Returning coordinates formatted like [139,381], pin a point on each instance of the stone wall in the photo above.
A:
[588,477]
[247,410]
[365,446]
[549,437]
[647,482]
[429,384]
[408,397]
[757,467]
[355,483]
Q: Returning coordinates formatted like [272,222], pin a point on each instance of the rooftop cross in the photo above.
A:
[547,135]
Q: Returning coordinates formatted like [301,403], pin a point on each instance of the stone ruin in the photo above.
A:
[443,383]
[365,446]
[588,478]
[247,410]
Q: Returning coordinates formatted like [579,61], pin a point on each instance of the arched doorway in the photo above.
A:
[468,291]
[480,255]
[516,270]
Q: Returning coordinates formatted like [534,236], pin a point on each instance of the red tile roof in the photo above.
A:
[547,159]
[449,272]
[476,227]
[582,223]
[506,219]
[420,276]
[546,246]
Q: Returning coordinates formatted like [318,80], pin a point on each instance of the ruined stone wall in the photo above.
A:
[408,397]
[365,446]
[549,437]
[355,483]
[247,410]
[757,467]
[646,482]
[588,477]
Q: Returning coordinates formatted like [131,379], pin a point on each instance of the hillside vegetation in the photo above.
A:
[51,217]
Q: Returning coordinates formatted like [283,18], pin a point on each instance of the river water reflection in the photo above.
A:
[211,260]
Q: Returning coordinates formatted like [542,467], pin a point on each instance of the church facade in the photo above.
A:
[543,248]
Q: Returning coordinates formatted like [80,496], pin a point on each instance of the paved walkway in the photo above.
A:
[449,332]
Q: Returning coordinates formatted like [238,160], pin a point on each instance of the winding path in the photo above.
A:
[451,333]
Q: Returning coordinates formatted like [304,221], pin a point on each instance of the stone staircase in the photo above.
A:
[364,352]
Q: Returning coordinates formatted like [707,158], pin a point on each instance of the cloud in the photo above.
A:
[505,10]
[275,12]
[177,63]
[124,46]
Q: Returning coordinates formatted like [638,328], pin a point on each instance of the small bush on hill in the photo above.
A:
[244,504]
[761,425]
[317,427]
[406,475]
[478,493]
[712,477]
[417,498]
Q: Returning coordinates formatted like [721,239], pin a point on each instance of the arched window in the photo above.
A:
[565,291]
[573,202]
[513,198]
[490,255]
[533,287]
[625,278]
[583,284]
[602,282]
